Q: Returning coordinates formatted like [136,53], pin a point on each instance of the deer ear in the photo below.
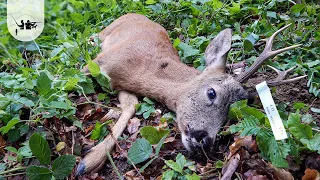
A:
[217,51]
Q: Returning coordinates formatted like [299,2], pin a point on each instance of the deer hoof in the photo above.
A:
[81,168]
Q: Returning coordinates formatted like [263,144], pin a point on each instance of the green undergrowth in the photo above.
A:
[37,77]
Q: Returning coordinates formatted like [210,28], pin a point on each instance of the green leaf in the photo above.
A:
[181,160]
[314,143]
[140,151]
[235,8]
[219,164]
[297,8]
[147,100]
[39,173]
[58,105]
[250,41]
[307,118]
[43,83]
[298,130]
[11,149]
[272,14]
[94,68]
[187,50]
[63,165]
[168,175]
[71,83]
[10,124]
[159,145]
[194,176]
[56,51]
[40,148]
[147,164]
[101,96]
[96,132]
[174,165]
[152,134]
[4,101]
[277,156]
[316,110]
[26,102]
[87,30]
[150,2]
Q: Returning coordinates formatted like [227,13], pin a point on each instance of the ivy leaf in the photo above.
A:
[40,148]
[39,173]
[152,134]
[43,83]
[140,151]
[63,165]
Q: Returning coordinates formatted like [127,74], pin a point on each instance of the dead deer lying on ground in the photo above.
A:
[139,58]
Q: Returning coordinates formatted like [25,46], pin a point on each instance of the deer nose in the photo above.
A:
[202,139]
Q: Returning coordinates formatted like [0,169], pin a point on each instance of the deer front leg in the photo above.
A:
[97,156]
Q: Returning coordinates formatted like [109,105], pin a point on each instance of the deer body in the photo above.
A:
[139,58]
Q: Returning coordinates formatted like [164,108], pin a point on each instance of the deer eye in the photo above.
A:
[211,93]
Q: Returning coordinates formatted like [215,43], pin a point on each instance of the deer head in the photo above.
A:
[202,107]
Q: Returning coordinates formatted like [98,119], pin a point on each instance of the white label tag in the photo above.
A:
[271,111]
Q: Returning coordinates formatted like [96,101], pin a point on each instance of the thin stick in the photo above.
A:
[113,165]
[12,170]
[117,144]
[17,174]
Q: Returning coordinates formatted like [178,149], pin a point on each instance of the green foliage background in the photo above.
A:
[36,77]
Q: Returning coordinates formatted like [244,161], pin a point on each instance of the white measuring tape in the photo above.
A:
[271,111]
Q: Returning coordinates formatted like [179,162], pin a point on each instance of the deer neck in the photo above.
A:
[171,83]
[165,82]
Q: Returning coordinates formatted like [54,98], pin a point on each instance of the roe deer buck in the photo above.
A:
[139,58]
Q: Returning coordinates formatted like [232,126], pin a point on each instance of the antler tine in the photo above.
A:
[266,54]
[282,75]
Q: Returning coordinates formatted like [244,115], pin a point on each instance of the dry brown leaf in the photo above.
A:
[2,145]
[311,174]
[258,177]
[169,139]
[282,174]
[88,130]
[133,125]
[246,142]
[132,175]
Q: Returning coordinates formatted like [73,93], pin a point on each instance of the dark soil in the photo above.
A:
[289,93]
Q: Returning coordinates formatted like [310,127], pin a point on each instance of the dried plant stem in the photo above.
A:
[113,165]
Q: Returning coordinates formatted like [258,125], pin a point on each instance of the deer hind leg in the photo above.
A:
[97,156]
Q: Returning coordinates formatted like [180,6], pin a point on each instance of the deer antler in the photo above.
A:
[266,54]
[281,76]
